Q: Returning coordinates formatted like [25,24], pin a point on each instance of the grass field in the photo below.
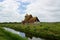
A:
[5,35]
[47,30]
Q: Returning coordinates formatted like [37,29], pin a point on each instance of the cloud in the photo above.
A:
[9,11]
[46,10]
[14,10]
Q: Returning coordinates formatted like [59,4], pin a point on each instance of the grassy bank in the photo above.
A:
[45,30]
[5,35]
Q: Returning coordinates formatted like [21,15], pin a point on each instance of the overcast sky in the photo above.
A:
[15,10]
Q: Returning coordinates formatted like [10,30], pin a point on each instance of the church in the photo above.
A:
[30,19]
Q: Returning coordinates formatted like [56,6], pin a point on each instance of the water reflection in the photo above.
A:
[34,38]
[16,32]
[22,34]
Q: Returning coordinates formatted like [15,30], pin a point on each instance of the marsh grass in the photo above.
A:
[5,35]
[43,29]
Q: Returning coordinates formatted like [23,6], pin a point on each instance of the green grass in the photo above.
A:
[5,35]
[45,30]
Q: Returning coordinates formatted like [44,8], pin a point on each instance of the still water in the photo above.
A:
[21,34]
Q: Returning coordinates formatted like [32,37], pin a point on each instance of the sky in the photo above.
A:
[15,10]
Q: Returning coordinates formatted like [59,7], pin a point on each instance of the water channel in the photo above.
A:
[21,34]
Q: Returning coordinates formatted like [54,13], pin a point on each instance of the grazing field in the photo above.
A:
[47,30]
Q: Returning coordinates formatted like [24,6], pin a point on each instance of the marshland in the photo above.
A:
[44,30]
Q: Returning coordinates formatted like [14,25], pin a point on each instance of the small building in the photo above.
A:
[30,19]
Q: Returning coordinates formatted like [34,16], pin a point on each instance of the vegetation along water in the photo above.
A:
[46,30]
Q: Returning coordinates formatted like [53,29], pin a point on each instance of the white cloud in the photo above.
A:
[46,10]
[9,11]
[26,0]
